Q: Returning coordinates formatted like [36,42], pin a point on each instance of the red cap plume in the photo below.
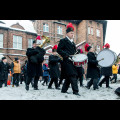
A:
[70,25]
[106,45]
[81,51]
[86,46]
[38,38]
[55,47]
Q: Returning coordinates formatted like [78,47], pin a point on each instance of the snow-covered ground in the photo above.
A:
[19,93]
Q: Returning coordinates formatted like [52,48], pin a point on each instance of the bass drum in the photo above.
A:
[109,56]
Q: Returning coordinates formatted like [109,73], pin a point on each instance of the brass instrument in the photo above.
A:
[45,40]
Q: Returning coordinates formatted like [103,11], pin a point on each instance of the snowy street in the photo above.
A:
[19,93]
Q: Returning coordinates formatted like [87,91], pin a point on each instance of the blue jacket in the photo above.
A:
[45,70]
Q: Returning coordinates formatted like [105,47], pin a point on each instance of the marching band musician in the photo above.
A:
[54,68]
[106,72]
[93,71]
[80,71]
[66,48]
[34,65]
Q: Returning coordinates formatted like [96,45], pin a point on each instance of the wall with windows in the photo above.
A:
[95,35]
[15,43]
[55,29]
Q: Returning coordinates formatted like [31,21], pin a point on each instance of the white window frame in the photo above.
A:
[98,48]
[88,30]
[1,40]
[97,32]
[92,31]
[31,42]
[59,30]
[45,28]
[17,47]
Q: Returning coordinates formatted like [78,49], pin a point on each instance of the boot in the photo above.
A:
[27,87]
[100,85]
[12,85]
[58,88]
[77,94]
[87,87]
[36,88]
[109,87]
[50,88]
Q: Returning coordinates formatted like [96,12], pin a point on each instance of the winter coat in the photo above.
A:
[92,69]
[34,69]
[62,73]
[45,70]
[16,67]
[106,71]
[66,48]
[115,69]
[53,65]
[4,70]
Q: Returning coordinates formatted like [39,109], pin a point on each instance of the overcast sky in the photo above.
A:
[113,35]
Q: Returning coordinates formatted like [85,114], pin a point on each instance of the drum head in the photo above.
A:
[109,58]
[79,58]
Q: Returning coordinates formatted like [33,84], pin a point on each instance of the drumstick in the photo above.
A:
[101,60]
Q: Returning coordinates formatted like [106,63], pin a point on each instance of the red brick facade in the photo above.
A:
[8,50]
[80,32]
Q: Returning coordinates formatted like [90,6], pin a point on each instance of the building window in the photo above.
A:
[97,32]
[59,30]
[45,28]
[30,42]
[1,40]
[98,48]
[17,42]
[88,30]
[91,31]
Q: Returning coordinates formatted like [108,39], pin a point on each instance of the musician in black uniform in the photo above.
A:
[66,48]
[54,68]
[93,71]
[34,66]
[106,72]
[80,70]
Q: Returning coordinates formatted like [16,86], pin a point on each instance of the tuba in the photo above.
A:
[45,40]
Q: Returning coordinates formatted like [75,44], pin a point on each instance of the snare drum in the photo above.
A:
[109,56]
[79,59]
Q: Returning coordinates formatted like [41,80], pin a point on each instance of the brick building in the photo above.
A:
[17,35]
[15,38]
[90,31]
